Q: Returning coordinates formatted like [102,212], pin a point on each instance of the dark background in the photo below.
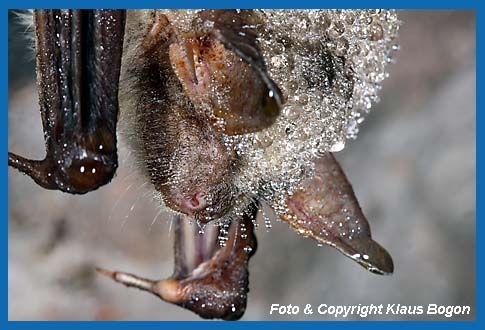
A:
[412,168]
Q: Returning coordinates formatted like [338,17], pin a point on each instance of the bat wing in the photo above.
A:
[325,208]
[78,59]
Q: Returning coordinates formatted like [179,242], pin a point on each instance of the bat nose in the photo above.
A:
[195,202]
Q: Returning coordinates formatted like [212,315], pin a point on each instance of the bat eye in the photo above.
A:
[270,106]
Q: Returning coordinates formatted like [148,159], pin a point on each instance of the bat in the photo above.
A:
[196,101]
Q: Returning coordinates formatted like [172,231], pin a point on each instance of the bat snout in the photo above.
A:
[194,202]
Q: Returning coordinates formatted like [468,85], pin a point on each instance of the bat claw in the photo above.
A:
[129,280]
[217,285]
[105,272]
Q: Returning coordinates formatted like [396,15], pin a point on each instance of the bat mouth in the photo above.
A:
[198,246]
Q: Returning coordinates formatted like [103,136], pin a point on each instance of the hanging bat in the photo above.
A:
[188,88]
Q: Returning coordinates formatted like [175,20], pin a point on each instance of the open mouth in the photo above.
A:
[210,274]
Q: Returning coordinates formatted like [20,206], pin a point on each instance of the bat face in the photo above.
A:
[223,109]
[196,88]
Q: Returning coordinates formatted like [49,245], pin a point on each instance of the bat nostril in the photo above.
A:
[196,201]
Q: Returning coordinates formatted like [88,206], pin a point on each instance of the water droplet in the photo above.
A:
[338,146]
[375,32]
[263,140]
[336,30]
[341,46]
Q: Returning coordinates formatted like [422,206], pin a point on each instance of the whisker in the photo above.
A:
[129,212]
[170,226]
[118,200]
[154,220]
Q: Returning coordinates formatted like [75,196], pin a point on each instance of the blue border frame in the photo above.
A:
[401,4]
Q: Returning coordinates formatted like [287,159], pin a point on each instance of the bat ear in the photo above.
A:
[325,208]
[234,32]
[222,71]
[231,28]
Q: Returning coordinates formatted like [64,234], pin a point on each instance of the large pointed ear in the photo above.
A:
[236,31]
[222,71]
[325,208]
[78,58]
